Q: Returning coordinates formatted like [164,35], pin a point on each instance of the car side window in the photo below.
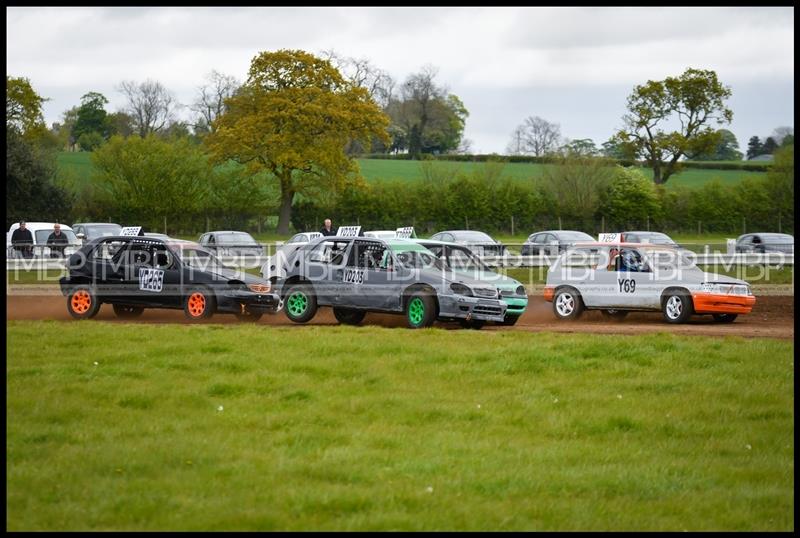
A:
[630,260]
[106,250]
[448,237]
[328,252]
[367,255]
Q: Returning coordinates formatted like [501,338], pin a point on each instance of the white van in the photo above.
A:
[40,232]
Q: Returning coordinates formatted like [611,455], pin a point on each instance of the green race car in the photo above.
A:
[462,260]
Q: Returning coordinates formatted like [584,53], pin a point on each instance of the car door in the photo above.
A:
[366,276]
[634,281]
[324,266]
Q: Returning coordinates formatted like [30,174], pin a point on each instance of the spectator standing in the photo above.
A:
[22,240]
[327,230]
[57,241]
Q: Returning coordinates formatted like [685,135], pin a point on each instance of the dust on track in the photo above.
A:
[772,317]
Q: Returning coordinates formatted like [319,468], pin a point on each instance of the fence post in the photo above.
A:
[259,224]
[165,225]
[466,223]
[208,224]
[744,226]
[602,224]
[512,225]
[648,223]
[559,222]
[779,223]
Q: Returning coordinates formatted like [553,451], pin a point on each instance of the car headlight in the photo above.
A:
[260,288]
[521,290]
[460,289]
[725,289]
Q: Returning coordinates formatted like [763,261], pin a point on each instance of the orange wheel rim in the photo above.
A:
[197,304]
[81,302]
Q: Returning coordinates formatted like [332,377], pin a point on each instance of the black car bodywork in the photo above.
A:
[133,273]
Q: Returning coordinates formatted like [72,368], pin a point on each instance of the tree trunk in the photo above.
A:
[657,178]
[287,195]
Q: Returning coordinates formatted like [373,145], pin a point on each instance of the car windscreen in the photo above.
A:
[238,239]
[477,237]
[199,259]
[464,260]
[668,258]
[415,256]
[42,235]
[785,239]
[656,237]
[575,236]
[102,230]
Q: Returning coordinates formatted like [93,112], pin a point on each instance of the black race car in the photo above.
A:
[134,273]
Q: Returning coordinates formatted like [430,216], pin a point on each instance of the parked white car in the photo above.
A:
[616,278]
[40,232]
[381,234]
[275,266]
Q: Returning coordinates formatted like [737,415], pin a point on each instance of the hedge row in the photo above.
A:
[480,158]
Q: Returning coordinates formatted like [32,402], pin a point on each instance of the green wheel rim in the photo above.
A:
[297,303]
[416,310]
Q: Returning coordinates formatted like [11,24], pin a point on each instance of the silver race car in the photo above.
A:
[616,278]
[356,275]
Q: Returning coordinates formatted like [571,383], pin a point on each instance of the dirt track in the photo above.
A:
[772,316]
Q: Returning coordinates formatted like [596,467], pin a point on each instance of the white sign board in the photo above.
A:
[348,231]
[131,230]
[405,233]
[313,235]
[609,238]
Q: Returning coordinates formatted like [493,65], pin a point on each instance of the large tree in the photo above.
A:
[92,120]
[293,118]
[426,117]
[536,136]
[210,101]
[24,108]
[150,104]
[727,149]
[691,101]
[754,147]
[770,145]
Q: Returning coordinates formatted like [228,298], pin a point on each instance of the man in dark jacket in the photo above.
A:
[54,240]
[22,240]
[327,229]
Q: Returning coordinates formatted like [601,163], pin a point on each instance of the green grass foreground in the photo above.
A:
[117,426]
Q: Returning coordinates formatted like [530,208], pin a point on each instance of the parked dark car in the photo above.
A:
[479,243]
[552,242]
[765,242]
[231,243]
[134,273]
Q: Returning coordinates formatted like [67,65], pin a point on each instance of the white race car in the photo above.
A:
[616,278]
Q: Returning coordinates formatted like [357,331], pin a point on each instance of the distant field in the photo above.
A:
[116,426]
[76,168]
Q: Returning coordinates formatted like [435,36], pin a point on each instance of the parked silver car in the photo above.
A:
[552,242]
[478,242]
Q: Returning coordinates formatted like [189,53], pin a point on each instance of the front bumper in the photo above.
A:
[256,303]
[515,306]
[463,307]
[714,303]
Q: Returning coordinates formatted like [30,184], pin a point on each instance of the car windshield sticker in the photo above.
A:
[609,238]
[348,231]
[151,279]
[131,230]
[405,233]
[354,276]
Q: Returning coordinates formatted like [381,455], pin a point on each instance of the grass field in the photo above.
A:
[132,427]
[76,168]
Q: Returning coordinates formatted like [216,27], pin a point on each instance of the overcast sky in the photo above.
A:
[571,66]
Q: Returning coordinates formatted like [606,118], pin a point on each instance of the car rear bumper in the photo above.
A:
[463,307]
[713,303]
